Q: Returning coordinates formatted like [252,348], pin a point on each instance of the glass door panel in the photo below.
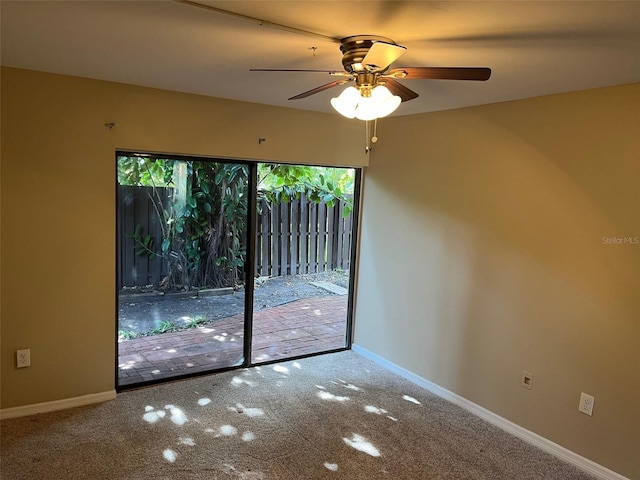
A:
[182,230]
[303,244]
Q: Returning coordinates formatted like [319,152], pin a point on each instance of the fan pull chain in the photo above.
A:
[368,139]
[367,147]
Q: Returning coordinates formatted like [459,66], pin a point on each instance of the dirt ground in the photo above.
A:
[142,314]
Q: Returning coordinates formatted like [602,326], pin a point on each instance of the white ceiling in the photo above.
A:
[533,47]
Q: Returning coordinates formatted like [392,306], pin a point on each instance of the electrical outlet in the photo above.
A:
[586,404]
[23,358]
[527,380]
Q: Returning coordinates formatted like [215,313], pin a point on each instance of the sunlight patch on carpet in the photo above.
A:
[187,441]
[237,381]
[228,430]
[331,397]
[280,369]
[320,387]
[151,415]
[411,399]
[362,445]
[177,415]
[331,466]
[376,410]
[297,365]
[204,401]
[169,455]
[349,386]
[249,412]
[248,436]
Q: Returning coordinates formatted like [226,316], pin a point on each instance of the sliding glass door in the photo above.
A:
[182,231]
[303,254]
[227,264]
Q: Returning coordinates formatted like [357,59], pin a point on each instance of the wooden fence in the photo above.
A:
[136,208]
[292,238]
[302,237]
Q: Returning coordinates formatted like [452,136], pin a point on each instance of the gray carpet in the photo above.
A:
[337,416]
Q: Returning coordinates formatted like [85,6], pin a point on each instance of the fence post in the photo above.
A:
[313,237]
[294,235]
[285,251]
[275,241]
[304,234]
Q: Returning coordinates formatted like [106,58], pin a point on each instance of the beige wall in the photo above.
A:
[482,256]
[58,207]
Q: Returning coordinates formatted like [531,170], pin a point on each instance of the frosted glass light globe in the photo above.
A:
[345,104]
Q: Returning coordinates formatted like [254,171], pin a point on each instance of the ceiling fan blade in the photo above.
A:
[441,73]
[400,90]
[381,55]
[321,88]
[330,72]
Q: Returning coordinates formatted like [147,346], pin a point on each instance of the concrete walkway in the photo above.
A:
[298,328]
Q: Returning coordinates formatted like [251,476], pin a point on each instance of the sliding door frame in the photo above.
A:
[249,267]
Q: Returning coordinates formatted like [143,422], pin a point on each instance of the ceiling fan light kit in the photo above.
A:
[366,103]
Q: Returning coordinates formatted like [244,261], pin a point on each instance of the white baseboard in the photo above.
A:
[57,405]
[542,443]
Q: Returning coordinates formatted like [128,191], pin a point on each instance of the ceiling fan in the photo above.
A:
[366,60]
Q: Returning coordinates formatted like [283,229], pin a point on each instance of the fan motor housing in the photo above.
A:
[356,47]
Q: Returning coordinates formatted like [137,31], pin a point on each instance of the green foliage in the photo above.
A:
[142,172]
[196,321]
[202,209]
[126,334]
[282,183]
[143,243]
[163,327]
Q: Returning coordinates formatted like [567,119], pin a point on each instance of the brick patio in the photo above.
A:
[298,328]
